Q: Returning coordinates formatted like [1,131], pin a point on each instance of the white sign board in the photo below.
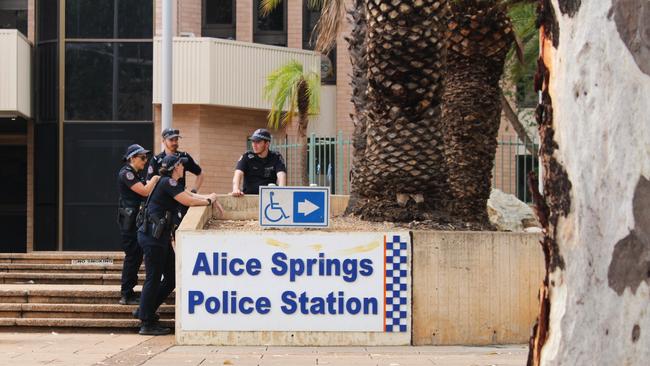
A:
[233,281]
[294,206]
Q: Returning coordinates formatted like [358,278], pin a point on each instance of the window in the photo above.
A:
[98,19]
[219,19]
[108,81]
[270,29]
[328,62]
[47,14]
[13,15]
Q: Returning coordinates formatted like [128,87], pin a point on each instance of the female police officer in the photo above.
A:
[154,236]
[132,191]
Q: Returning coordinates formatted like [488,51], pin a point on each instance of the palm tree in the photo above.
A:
[359,82]
[479,36]
[293,91]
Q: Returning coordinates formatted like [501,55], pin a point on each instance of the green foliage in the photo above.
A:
[523,16]
[281,90]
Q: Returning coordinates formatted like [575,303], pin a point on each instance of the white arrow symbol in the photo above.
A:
[306,207]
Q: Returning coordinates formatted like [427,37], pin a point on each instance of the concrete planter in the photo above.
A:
[472,288]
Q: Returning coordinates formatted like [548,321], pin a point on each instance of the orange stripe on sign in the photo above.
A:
[384,283]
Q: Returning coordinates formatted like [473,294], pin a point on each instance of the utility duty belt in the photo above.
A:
[156,225]
[126,216]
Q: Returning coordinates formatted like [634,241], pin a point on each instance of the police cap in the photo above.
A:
[169,162]
[261,134]
[169,133]
[134,150]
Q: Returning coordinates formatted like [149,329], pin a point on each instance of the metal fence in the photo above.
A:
[329,160]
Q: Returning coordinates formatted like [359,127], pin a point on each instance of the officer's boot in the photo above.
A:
[131,299]
[136,314]
[153,329]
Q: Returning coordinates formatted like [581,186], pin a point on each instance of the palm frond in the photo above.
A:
[327,28]
[267,6]
[281,90]
[313,91]
[522,60]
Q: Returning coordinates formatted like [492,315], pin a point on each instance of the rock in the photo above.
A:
[508,213]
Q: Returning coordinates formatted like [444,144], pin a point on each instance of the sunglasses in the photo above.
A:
[141,157]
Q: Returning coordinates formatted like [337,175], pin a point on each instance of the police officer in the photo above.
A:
[258,167]
[132,191]
[170,141]
[154,236]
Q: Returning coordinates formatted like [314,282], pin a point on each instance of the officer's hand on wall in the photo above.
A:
[216,204]
[237,193]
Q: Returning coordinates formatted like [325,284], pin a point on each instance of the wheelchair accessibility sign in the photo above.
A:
[294,206]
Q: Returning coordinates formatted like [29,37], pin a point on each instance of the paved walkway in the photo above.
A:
[26,349]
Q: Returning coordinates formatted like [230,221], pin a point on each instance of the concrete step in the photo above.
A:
[12,323]
[95,258]
[63,294]
[76,311]
[64,278]
[62,268]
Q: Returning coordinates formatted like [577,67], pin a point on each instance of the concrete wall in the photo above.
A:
[475,288]
[469,288]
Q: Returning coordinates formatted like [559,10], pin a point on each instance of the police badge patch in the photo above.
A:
[150,170]
[173,182]
[130,176]
[250,156]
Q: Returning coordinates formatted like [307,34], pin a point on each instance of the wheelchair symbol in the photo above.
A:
[274,207]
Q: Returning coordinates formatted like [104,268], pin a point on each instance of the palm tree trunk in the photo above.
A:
[479,37]
[359,82]
[402,175]
[303,122]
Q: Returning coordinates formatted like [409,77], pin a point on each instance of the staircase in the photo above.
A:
[67,290]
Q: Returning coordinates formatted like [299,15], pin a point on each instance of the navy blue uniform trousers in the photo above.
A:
[159,264]
[132,261]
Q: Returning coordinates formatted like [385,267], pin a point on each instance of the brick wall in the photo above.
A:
[215,137]
[190,16]
[294,23]
[244,28]
[31,23]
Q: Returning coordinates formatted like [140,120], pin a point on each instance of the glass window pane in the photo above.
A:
[135,19]
[88,81]
[14,19]
[273,21]
[135,81]
[89,18]
[47,19]
[219,12]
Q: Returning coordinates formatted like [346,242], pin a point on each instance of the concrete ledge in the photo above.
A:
[475,288]
[217,338]
[247,207]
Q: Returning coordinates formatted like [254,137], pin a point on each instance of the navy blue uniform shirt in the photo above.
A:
[191,166]
[162,198]
[260,171]
[126,178]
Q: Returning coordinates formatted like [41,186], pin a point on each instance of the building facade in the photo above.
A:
[86,84]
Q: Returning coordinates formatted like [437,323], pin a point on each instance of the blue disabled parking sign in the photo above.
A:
[294,206]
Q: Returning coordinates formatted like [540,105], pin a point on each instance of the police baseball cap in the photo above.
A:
[261,134]
[134,150]
[169,133]
[169,162]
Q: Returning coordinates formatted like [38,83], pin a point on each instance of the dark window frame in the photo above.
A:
[274,38]
[219,30]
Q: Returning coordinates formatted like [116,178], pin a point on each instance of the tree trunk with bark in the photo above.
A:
[402,177]
[594,75]
[479,36]
[303,122]
[359,82]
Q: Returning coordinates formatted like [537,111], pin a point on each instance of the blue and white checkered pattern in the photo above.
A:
[396,282]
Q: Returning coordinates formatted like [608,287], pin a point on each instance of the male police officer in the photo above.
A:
[258,167]
[170,141]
